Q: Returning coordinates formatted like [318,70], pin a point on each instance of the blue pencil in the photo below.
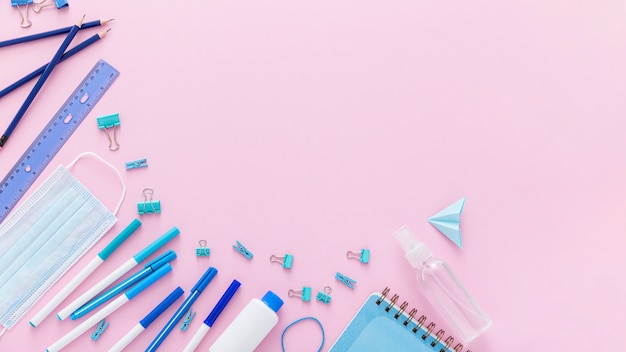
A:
[51,33]
[42,79]
[65,56]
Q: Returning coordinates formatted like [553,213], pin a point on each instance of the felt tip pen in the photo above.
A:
[145,322]
[195,292]
[85,272]
[210,319]
[122,286]
[110,308]
[117,273]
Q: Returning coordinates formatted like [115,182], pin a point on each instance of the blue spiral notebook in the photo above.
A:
[383,325]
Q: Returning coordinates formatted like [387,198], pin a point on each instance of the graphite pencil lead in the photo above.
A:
[103,33]
[80,22]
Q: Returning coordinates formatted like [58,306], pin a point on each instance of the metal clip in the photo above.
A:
[188,317]
[241,249]
[304,294]
[25,23]
[363,256]
[110,121]
[345,280]
[286,261]
[99,330]
[203,250]
[148,206]
[136,164]
[325,295]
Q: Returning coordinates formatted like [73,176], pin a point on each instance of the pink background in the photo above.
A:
[318,127]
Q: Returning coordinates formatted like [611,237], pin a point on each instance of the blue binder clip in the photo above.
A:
[203,250]
[286,261]
[137,164]
[188,317]
[17,3]
[304,294]
[363,256]
[41,5]
[99,330]
[325,295]
[345,280]
[110,121]
[241,249]
[148,206]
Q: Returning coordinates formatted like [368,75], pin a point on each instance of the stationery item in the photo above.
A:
[119,272]
[25,23]
[363,256]
[145,322]
[212,317]
[136,164]
[195,292]
[324,296]
[251,325]
[286,261]
[381,325]
[319,323]
[110,308]
[345,280]
[243,250]
[151,267]
[42,79]
[29,38]
[203,250]
[188,317]
[85,272]
[448,221]
[304,294]
[54,135]
[110,122]
[148,206]
[99,330]
[444,290]
[46,235]
[45,3]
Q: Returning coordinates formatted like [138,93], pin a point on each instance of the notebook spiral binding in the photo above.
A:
[419,322]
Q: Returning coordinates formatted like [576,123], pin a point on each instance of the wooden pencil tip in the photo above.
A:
[80,22]
[107,21]
[103,33]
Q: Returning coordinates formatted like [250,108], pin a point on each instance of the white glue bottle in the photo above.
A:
[250,327]
[443,289]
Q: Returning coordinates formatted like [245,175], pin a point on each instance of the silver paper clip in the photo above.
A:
[241,249]
[99,330]
[137,164]
[188,317]
[345,280]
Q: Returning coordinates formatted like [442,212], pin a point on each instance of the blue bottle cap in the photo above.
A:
[272,301]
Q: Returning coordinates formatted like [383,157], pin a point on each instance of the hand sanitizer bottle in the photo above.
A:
[443,289]
[250,327]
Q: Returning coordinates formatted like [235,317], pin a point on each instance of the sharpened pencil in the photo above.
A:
[51,33]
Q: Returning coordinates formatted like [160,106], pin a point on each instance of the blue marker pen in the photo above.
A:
[117,289]
[195,293]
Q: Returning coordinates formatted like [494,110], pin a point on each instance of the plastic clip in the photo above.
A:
[136,164]
[148,206]
[241,249]
[110,121]
[203,250]
[345,280]
[304,294]
[286,261]
[363,256]
[99,330]
[188,317]
[324,296]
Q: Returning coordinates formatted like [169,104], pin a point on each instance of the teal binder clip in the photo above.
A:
[363,256]
[241,249]
[203,250]
[148,206]
[345,280]
[137,164]
[286,261]
[99,330]
[188,317]
[304,294]
[110,121]
[324,296]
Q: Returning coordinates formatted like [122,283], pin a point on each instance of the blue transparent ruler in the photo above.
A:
[54,135]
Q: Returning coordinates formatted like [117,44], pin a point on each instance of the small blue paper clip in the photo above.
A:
[203,250]
[286,261]
[241,249]
[363,256]
[304,294]
[110,121]
[188,317]
[148,206]
[137,164]
[99,330]
[325,295]
[345,280]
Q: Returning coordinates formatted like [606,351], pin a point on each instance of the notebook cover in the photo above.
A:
[374,329]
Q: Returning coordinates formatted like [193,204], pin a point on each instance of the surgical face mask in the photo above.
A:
[45,236]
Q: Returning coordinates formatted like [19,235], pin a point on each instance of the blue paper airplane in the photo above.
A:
[448,221]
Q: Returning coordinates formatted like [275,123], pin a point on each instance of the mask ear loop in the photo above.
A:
[96,156]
